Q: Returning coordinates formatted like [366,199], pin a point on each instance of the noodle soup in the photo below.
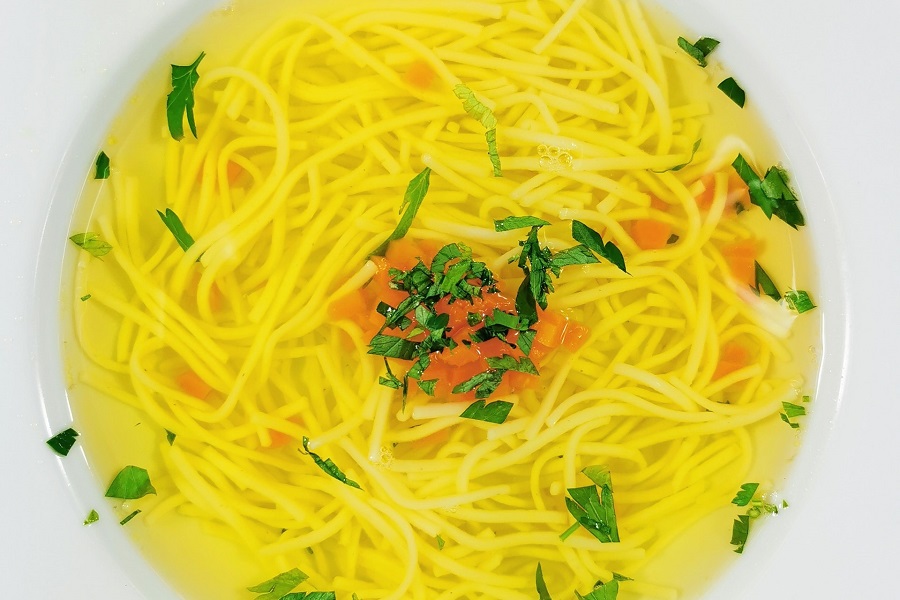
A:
[312,332]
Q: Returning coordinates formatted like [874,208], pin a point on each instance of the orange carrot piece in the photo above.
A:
[192,385]
[575,336]
[234,171]
[650,234]
[420,75]
[732,356]
[741,259]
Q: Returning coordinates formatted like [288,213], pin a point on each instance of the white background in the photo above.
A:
[836,65]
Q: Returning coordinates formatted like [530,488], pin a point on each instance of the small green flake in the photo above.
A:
[799,301]
[92,517]
[86,297]
[91,243]
[130,517]
[63,441]
[130,483]
[280,585]
[736,93]
[440,542]
[101,166]
[170,437]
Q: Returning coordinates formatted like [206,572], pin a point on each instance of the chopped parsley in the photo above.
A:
[130,517]
[278,586]
[170,437]
[699,50]
[309,596]
[91,243]
[747,497]
[412,201]
[63,441]
[328,465]
[180,101]
[772,194]
[101,166]
[540,585]
[86,297]
[592,506]
[765,284]
[494,412]
[792,411]
[176,227]
[92,517]
[476,109]
[799,301]
[694,149]
[735,93]
[130,483]
[440,542]
[602,591]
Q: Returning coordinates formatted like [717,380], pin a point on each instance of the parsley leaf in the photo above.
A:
[577,255]
[772,194]
[174,224]
[180,101]
[130,483]
[543,593]
[412,201]
[792,411]
[478,110]
[592,506]
[427,386]
[511,223]
[735,93]
[90,242]
[603,591]
[484,384]
[92,517]
[676,168]
[101,166]
[86,297]
[745,495]
[309,596]
[740,530]
[170,437]
[63,441]
[328,465]
[509,363]
[130,517]
[700,49]
[765,284]
[391,346]
[440,542]
[799,301]
[278,586]
[390,380]
[590,238]
[480,410]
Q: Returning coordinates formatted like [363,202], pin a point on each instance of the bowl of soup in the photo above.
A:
[508,300]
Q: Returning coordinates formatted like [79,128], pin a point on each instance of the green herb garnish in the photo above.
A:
[101,166]
[543,593]
[130,483]
[440,542]
[481,410]
[278,586]
[602,591]
[765,284]
[676,168]
[792,411]
[480,111]
[175,226]
[735,93]
[328,465]
[63,441]
[130,517]
[86,297]
[412,201]
[745,495]
[170,437]
[799,301]
[309,596]
[180,101]
[92,517]
[700,49]
[772,194]
[592,506]
[91,243]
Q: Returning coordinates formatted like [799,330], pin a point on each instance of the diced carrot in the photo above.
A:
[705,198]
[420,75]
[459,356]
[650,234]
[550,328]
[234,171]
[278,439]
[741,259]
[575,336]
[732,356]
[657,204]
[351,306]
[192,385]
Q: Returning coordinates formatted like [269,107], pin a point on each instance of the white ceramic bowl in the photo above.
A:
[824,73]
